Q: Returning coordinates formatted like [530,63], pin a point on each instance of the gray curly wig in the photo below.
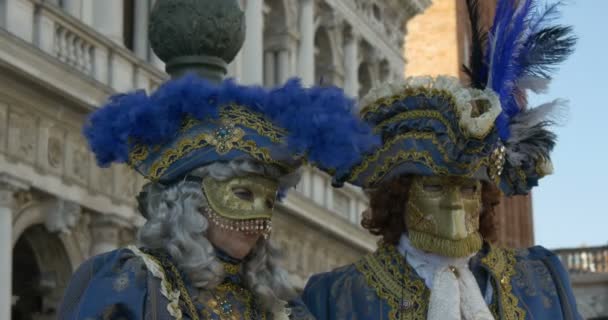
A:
[175,224]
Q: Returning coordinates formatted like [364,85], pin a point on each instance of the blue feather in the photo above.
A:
[319,120]
[523,43]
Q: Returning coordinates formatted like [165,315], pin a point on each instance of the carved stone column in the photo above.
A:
[105,233]
[8,186]
[108,19]
[253,49]
[351,64]
[306,56]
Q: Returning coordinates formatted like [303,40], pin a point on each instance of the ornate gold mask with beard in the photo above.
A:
[443,215]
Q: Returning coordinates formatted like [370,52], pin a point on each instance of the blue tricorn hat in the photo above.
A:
[485,130]
[189,122]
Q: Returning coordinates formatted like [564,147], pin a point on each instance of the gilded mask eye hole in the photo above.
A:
[243,193]
[269,203]
[432,187]
[468,190]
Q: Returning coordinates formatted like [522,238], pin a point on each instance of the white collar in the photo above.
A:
[426,263]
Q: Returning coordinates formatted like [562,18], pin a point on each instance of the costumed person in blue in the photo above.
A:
[447,149]
[219,156]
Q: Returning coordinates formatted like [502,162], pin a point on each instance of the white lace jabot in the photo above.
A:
[455,294]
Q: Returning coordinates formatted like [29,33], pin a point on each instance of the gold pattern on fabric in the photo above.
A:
[501,262]
[409,92]
[230,301]
[231,269]
[225,138]
[172,294]
[138,154]
[423,157]
[535,280]
[394,281]
[246,118]
[479,132]
[222,145]
[418,114]
[172,155]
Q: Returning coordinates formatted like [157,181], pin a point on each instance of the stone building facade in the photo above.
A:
[438,44]
[61,58]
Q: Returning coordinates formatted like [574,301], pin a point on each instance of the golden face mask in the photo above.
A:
[443,215]
[241,203]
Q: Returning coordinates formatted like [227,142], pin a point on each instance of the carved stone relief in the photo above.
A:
[102,179]
[22,136]
[82,233]
[62,216]
[77,162]
[51,146]
[126,183]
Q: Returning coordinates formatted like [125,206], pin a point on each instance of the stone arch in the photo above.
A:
[385,71]
[34,214]
[41,272]
[365,78]
[325,66]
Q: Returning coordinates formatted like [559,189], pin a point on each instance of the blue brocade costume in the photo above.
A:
[526,284]
[120,285]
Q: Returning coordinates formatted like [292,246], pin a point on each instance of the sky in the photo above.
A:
[571,206]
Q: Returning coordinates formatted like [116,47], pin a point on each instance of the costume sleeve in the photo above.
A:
[316,296]
[109,286]
[299,311]
[562,282]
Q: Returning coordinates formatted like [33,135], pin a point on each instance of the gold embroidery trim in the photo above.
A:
[501,263]
[423,157]
[166,289]
[243,116]
[231,269]
[204,140]
[415,114]
[393,285]
[241,294]
[230,116]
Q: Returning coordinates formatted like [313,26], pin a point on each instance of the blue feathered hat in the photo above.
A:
[485,130]
[189,122]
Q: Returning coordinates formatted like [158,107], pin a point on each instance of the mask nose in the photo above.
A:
[452,200]
[455,227]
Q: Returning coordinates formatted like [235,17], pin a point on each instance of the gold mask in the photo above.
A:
[241,203]
[443,215]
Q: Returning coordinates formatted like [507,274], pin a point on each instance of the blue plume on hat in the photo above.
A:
[318,121]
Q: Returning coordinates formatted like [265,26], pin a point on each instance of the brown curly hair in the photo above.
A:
[386,215]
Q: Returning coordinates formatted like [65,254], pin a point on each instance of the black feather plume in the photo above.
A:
[546,49]
[477,70]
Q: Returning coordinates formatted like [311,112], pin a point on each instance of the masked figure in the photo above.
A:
[219,158]
[447,151]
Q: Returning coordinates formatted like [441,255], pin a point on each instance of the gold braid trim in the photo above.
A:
[423,157]
[166,289]
[476,110]
[231,269]
[501,262]
[244,117]
[394,281]
[446,247]
[417,114]
[230,116]
[222,146]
